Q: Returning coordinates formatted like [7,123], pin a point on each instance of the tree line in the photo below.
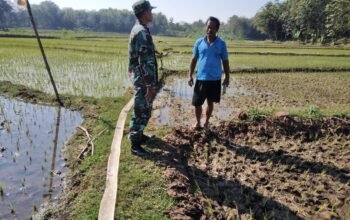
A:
[49,16]
[305,20]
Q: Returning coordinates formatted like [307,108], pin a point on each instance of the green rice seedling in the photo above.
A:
[256,114]
[96,73]
[12,209]
[1,191]
[314,112]
[23,182]
[35,208]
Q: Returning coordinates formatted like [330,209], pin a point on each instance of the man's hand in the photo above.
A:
[226,81]
[190,81]
[159,54]
[150,94]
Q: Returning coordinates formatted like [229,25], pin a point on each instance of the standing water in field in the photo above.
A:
[31,163]
[173,105]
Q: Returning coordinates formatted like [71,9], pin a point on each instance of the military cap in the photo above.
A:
[141,5]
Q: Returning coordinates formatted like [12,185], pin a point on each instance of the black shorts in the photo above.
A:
[210,90]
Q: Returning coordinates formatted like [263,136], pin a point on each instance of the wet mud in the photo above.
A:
[281,168]
[278,167]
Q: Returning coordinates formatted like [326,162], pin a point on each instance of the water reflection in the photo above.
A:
[31,163]
[173,104]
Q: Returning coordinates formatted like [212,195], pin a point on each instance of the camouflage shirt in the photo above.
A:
[142,60]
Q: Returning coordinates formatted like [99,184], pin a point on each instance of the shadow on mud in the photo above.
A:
[273,169]
[214,192]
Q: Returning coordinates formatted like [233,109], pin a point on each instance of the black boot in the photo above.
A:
[146,138]
[137,150]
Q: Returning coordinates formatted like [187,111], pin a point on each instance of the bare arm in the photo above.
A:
[226,65]
[191,71]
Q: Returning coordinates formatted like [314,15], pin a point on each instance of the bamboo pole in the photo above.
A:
[43,52]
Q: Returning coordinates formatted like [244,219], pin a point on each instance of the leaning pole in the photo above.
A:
[26,2]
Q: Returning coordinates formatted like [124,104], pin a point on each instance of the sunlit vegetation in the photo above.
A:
[89,68]
[91,64]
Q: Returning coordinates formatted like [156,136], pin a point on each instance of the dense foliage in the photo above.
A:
[305,20]
[49,16]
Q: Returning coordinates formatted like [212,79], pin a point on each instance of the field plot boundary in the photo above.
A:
[107,206]
[289,70]
[281,54]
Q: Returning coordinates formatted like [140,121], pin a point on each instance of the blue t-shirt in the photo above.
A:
[209,58]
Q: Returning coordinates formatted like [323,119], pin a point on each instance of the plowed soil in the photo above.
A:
[276,168]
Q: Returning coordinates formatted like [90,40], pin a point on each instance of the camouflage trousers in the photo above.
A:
[141,115]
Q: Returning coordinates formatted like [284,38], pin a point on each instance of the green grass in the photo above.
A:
[140,189]
[141,194]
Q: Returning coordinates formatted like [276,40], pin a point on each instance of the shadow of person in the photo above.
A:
[296,164]
[199,193]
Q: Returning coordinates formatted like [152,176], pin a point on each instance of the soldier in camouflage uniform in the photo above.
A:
[144,75]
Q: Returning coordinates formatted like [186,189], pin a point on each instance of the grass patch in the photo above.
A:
[92,170]
[141,194]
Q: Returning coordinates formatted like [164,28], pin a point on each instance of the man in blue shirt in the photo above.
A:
[209,52]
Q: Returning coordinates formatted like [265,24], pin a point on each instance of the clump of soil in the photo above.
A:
[277,168]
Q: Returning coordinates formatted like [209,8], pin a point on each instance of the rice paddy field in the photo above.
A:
[277,148]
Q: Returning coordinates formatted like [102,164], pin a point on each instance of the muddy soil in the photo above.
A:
[281,168]
[275,168]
